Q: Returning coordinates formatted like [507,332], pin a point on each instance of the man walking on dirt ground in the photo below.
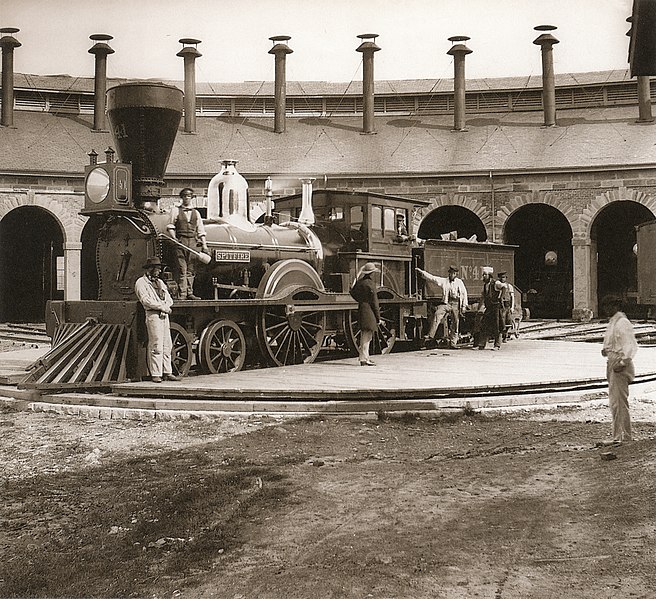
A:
[619,348]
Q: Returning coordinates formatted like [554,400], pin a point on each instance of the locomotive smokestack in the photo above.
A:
[189,55]
[144,119]
[546,42]
[368,48]
[459,51]
[8,42]
[306,217]
[280,50]
[101,49]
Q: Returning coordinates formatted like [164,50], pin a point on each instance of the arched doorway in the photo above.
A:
[613,232]
[543,260]
[451,219]
[31,264]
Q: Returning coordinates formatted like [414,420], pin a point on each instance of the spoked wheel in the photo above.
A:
[222,347]
[384,338]
[181,354]
[290,337]
[287,335]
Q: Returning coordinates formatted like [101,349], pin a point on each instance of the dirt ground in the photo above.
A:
[508,505]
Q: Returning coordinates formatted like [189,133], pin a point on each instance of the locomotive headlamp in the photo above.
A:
[107,186]
[97,185]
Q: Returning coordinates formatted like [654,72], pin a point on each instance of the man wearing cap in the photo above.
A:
[507,300]
[454,303]
[493,320]
[480,326]
[186,227]
[156,300]
[364,292]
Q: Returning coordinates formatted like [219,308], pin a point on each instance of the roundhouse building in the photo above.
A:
[561,165]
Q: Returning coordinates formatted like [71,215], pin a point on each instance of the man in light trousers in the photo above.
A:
[619,348]
[154,296]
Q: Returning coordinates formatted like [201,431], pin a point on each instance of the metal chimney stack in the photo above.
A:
[368,48]
[546,42]
[101,49]
[459,51]
[8,42]
[189,54]
[280,50]
[644,91]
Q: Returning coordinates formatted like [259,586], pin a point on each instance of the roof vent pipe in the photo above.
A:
[368,48]
[280,50]
[8,42]
[644,91]
[101,49]
[459,51]
[546,42]
[189,54]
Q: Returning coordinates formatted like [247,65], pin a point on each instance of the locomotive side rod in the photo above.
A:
[204,258]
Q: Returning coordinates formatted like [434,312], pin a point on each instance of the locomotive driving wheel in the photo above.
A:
[181,353]
[285,334]
[222,347]
[386,335]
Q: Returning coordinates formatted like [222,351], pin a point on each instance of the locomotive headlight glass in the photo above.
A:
[97,185]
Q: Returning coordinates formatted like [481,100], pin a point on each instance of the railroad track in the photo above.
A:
[25,333]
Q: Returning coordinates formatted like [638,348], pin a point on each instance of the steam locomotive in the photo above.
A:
[274,293]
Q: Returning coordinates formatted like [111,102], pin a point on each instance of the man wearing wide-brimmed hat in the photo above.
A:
[454,303]
[364,292]
[156,300]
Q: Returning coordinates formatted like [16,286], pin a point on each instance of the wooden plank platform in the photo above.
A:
[521,365]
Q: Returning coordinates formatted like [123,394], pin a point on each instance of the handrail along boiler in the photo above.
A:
[274,294]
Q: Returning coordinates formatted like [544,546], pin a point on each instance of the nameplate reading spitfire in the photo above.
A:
[231,256]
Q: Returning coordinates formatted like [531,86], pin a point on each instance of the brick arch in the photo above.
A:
[621,194]
[458,199]
[515,203]
[61,208]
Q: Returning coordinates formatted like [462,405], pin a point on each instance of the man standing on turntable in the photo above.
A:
[186,226]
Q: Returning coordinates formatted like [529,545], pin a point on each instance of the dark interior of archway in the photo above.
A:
[543,260]
[617,273]
[30,243]
[452,218]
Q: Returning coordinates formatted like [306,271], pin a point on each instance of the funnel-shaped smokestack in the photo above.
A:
[546,42]
[190,54]
[306,217]
[8,42]
[100,49]
[280,50]
[368,48]
[144,118]
[459,51]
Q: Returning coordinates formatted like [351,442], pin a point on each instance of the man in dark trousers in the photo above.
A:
[364,292]
[186,226]
[493,319]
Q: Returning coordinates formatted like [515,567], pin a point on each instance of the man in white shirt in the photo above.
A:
[454,303]
[619,348]
[156,300]
[186,226]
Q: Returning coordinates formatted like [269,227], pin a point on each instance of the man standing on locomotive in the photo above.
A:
[156,300]
[454,303]
[186,226]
